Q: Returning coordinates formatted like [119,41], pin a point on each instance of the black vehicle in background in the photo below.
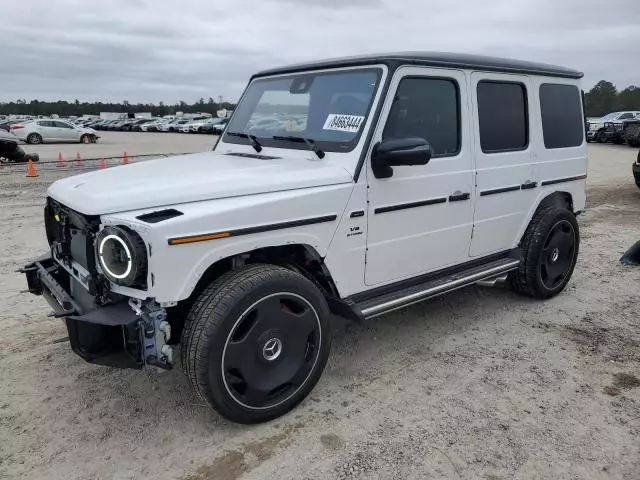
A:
[632,132]
[636,170]
[10,151]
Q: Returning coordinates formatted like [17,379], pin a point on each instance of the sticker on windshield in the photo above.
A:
[343,123]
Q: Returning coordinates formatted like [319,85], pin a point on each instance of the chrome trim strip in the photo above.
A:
[434,291]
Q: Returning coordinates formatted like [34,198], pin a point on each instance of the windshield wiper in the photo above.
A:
[310,143]
[252,139]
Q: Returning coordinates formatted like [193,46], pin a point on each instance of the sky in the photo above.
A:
[172,50]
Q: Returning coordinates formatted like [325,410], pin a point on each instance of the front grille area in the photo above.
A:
[70,235]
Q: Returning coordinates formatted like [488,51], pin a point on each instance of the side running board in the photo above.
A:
[432,288]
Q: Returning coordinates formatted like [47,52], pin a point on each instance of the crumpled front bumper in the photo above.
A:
[112,334]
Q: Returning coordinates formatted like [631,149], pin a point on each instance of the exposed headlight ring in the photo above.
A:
[122,255]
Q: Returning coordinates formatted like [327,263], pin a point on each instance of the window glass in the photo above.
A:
[62,124]
[624,116]
[562,122]
[427,108]
[330,108]
[45,123]
[503,117]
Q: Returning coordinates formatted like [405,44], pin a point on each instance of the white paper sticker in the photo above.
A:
[343,123]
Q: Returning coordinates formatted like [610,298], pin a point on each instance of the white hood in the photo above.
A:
[190,178]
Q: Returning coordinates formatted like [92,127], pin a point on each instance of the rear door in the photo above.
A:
[505,183]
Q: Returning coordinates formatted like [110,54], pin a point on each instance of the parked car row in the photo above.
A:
[6,124]
[615,127]
[183,125]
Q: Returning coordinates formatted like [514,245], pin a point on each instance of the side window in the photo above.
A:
[503,116]
[626,115]
[62,124]
[427,108]
[562,122]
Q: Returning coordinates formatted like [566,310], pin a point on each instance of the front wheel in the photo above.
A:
[86,138]
[550,250]
[601,137]
[256,341]
[34,139]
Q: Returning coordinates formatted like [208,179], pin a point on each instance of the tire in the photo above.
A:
[230,348]
[86,138]
[600,137]
[34,139]
[548,261]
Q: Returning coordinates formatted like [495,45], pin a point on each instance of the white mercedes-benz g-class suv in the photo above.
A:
[352,187]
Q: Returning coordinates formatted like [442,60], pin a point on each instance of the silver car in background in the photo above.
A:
[53,130]
[596,127]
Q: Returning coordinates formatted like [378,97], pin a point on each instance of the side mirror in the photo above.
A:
[396,152]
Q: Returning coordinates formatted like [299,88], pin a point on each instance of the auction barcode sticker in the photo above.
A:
[343,123]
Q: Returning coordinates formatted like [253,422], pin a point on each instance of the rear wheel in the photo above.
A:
[256,342]
[34,138]
[550,250]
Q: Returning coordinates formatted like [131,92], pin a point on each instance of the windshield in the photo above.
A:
[329,108]
[609,116]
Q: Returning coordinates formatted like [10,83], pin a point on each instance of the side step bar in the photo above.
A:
[434,287]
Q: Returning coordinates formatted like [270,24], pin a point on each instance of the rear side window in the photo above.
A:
[562,122]
[503,116]
[427,108]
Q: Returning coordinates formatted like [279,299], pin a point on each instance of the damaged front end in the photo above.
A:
[105,326]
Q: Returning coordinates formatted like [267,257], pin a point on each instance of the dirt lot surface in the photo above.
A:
[480,384]
[113,144]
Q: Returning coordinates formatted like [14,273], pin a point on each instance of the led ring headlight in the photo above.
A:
[122,255]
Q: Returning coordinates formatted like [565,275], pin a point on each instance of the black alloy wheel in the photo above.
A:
[271,351]
[549,248]
[558,254]
[256,341]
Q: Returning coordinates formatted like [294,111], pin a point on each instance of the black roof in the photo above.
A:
[434,59]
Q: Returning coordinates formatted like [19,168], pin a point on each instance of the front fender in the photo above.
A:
[307,216]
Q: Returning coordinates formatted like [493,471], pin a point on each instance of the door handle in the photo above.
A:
[458,197]
[528,185]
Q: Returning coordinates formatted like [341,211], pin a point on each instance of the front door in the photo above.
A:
[48,130]
[420,219]
[67,132]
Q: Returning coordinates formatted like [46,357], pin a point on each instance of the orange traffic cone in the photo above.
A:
[77,162]
[125,159]
[60,161]
[31,169]
[102,164]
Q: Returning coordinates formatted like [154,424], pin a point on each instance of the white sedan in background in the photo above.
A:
[53,130]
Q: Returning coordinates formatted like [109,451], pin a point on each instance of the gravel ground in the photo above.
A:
[480,384]
[113,144]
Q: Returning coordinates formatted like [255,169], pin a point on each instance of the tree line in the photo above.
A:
[600,100]
[604,98]
[77,108]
